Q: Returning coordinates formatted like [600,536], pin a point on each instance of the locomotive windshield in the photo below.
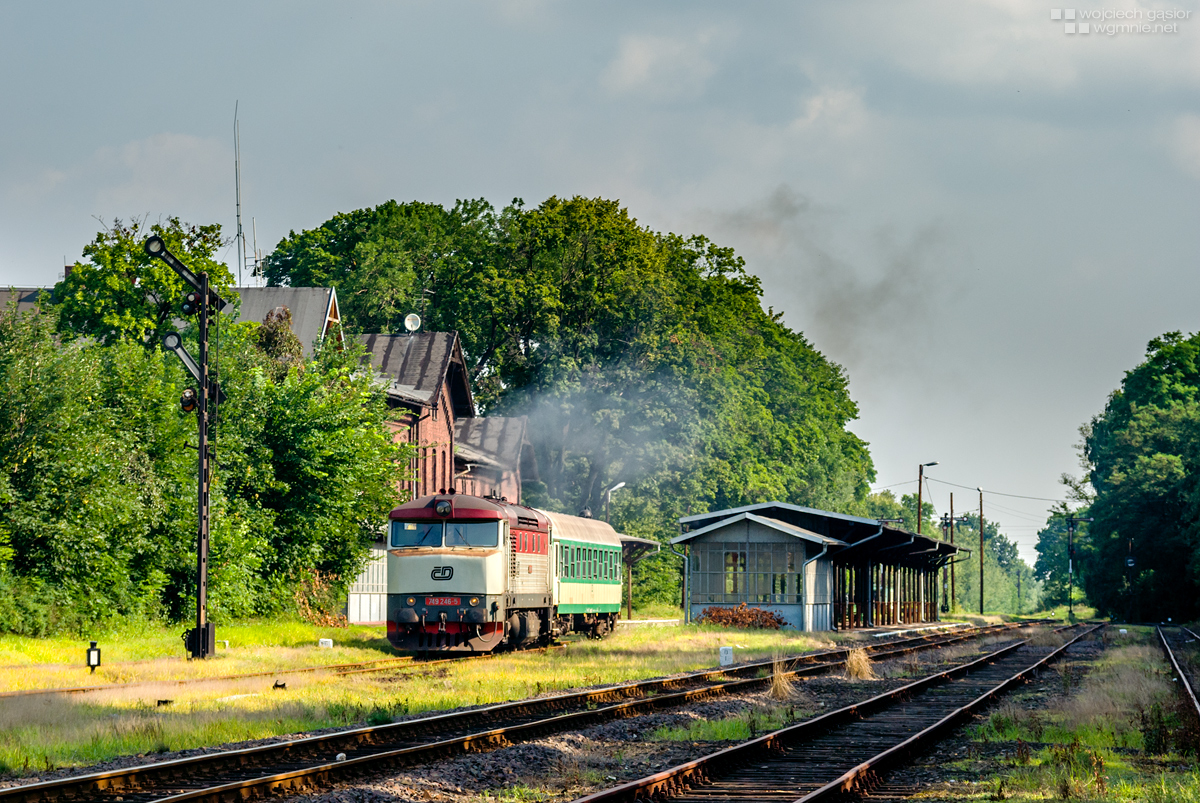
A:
[416,533]
[474,533]
[456,533]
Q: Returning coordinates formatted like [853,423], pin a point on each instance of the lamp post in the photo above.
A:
[608,497]
[920,486]
[201,640]
[1071,521]
[980,550]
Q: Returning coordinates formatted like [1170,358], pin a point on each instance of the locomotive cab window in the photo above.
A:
[416,533]
[473,533]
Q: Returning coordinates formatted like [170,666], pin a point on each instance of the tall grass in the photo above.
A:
[82,729]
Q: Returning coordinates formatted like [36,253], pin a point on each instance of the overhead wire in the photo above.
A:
[997,493]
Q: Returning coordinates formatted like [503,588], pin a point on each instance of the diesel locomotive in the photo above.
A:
[473,574]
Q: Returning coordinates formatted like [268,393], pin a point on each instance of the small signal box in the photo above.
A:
[93,657]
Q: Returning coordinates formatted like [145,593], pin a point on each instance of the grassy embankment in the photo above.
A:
[1114,734]
[1082,613]
[61,730]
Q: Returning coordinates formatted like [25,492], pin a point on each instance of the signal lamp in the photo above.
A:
[93,657]
[442,508]
[191,304]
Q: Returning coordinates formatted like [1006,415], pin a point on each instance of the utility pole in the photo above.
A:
[952,562]
[980,550]
[945,570]
[1071,520]
[1129,564]
[201,640]
[920,486]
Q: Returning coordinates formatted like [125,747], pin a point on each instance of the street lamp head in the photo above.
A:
[154,245]
[980,490]
[934,463]
[618,486]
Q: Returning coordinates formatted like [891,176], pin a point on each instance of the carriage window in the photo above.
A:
[416,533]
[473,533]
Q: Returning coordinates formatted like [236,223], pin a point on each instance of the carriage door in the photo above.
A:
[556,567]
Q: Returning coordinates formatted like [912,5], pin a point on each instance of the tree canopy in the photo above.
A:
[1143,458]
[122,294]
[97,480]
[638,356]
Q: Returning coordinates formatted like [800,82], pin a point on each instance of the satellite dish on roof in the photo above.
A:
[412,321]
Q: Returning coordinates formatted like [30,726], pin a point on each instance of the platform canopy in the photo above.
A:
[846,538]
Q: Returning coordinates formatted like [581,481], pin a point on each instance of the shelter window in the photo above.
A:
[745,572]
[416,533]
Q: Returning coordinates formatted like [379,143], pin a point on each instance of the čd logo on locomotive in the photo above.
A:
[442,572]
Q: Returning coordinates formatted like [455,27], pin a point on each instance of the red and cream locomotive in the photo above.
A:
[471,574]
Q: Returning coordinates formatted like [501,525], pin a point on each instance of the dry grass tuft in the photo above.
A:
[782,684]
[858,665]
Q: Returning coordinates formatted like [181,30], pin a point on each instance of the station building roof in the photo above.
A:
[848,538]
[314,309]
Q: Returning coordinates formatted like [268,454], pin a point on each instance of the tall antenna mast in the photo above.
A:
[256,271]
[237,182]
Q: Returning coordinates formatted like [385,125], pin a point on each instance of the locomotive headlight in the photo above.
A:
[474,601]
[411,601]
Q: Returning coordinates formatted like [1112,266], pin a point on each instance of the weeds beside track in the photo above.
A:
[843,750]
[311,761]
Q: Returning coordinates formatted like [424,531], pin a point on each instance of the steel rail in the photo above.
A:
[1184,681]
[675,781]
[328,773]
[863,772]
[131,781]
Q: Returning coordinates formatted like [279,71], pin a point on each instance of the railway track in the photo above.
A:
[322,760]
[1183,670]
[843,751]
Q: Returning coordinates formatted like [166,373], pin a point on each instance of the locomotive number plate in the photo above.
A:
[443,600]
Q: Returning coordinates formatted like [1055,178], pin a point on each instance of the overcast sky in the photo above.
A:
[984,218]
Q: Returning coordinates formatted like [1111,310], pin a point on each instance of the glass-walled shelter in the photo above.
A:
[818,570]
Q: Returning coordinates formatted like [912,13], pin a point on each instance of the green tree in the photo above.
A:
[638,356]
[1143,455]
[121,293]
[82,495]
[97,483]
[1051,565]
